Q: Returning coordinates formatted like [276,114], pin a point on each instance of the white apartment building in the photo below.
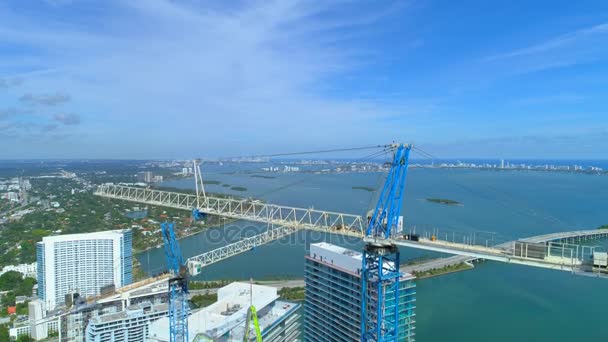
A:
[82,263]
[28,270]
[131,325]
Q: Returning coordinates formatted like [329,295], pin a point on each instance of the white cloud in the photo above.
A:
[554,43]
[254,73]
[67,118]
[580,46]
[45,99]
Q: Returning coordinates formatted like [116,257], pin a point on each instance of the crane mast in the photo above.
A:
[178,286]
[380,273]
[199,187]
[252,315]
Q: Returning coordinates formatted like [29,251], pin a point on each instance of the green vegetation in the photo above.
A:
[202,285]
[363,188]
[275,278]
[226,185]
[78,213]
[18,286]
[84,212]
[201,301]
[138,272]
[262,176]
[603,227]
[292,293]
[213,182]
[238,188]
[417,261]
[22,309]
[15,282]
[24,338]
[443,270]
[4,335]
[443,201]
[5,205]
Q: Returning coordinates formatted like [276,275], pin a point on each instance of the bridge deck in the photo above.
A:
[290,219]
[576,234]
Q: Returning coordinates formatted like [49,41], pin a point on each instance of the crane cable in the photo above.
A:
[386,148]
[312,152]
[528,211]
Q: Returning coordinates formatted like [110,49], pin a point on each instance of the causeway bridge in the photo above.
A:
[557,251]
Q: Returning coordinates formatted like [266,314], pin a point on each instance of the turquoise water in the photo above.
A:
[497,302]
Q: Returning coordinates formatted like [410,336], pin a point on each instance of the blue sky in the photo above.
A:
[176,79]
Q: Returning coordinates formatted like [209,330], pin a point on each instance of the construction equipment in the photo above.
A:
[197,213]
[252,315]
[380,262]
[178,286]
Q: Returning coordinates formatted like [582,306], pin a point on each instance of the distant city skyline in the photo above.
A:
[175,79]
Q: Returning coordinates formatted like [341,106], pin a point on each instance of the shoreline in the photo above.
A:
[444,270]
[185,236]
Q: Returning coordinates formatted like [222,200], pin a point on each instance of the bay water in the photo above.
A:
[494,301]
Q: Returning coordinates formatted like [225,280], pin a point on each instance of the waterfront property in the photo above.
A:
[333,296]
[83,264]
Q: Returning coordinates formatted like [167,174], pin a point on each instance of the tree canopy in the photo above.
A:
[15,282]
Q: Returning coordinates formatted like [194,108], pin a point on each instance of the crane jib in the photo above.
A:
[384,220]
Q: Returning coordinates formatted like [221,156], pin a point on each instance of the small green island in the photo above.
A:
[603,227]
[238,188]
[262,176]
[443,201]
[213,182]
[443,270]
[296,294]
[226,185]
[365,188]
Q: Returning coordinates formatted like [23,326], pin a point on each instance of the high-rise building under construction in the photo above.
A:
[332,311]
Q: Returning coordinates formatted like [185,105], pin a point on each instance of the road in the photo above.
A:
[279,284]
[436,264]
[421,267]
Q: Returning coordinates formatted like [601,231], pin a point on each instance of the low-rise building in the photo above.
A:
[132,304]
[130,325]
[226,319]
[118,310]
[28,270]
[18,330]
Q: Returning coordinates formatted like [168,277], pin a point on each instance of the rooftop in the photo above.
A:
[83,236]
[339,249]
[226,314]
[341,258]
[132,311]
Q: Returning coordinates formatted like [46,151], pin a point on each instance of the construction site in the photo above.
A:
[366,295]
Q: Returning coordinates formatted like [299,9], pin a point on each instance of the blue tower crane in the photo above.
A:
[380,262]
[178,286]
